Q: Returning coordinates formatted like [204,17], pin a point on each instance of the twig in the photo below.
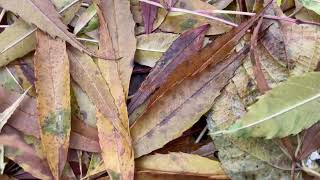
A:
[174,9]
[204,13]
[201,134]
[2,14]
[4,26]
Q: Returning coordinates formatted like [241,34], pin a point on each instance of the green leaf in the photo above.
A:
[313,5]
[85,18]
[287,109]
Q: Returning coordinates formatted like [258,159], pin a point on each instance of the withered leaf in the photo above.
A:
[53,99]
[121,29]
[310,142]
[188,101]
[213,53]
[149,14]
[43,14]
[185,45]
[111,130]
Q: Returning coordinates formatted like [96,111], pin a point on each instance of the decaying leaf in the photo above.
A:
[281,112]
[212,54]
[310,141]
[43,14]
[180,163]
[149,13]
[188,101]
[84,18]
[121,29]
[53,99]
[185,45]
[19,39]
[112,132]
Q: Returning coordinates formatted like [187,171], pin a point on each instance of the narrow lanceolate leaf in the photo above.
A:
[213,53]
[180,163]
[178,110]
[287,109]
[84,18]
[187,44]
[19,39]
[113,133]
[121,29]
[5,115]
[43,14]
[53,100]
[26,152]
[149,14]
[115,161]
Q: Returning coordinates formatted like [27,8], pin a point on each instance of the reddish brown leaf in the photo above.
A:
[187,44]
[149,14]
[213,53]
[310,141]
[255,60]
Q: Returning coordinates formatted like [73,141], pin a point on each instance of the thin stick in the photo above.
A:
[4,26]
[2,14]
[204,13]
[201,134]
[173,9]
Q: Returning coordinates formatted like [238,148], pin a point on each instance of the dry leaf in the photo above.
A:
[189,101]
[53,99]
[149,13]
[43,14]
[187,44]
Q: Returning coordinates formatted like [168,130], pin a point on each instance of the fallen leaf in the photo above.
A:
[185,45]
[53,99]
[43,14]
[180,163]
[151,47]
[277,118]
[19,39]
[213,53]
[30,162]
[149,13]
[310,142]
[121,29]
[189,101]
[181,22]
[313,5]
[110,125]
[84,18]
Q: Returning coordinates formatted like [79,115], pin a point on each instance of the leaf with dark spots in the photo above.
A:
[184,46]
[53,99]
[180,109]
[310,141]
[149,14]
[213,53]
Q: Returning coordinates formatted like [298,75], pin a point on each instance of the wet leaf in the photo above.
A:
[53,99]
[185,45]
[180,163]
[43,14]
[19,39]
[189,101]
[295,110]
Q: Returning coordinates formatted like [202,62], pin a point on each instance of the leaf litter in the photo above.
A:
[223,99]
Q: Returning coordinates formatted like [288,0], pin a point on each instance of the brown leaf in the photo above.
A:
[113,133]
[30,161]
[310,141]
[255,60]
[25,120]
[43,14]
[149,14]
[213,53]
[53,99]
[121,28]
[180,108]
[184,46]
